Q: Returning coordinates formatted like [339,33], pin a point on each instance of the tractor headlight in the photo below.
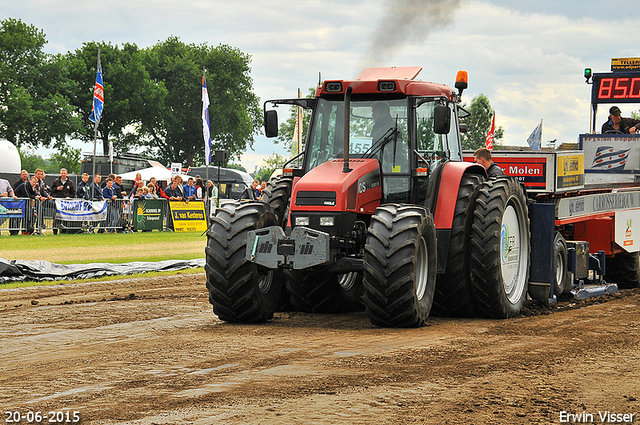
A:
[302,221]
[327,221]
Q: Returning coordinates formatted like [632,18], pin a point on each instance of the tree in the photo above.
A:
[35,89]
[235,167]
[287,128]
[31,161]
[272,163]
[479,123]
[67,157]
[234,110]
[132,99]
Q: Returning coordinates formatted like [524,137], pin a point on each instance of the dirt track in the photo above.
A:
[150,351]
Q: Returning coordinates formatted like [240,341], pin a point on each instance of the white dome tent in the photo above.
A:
[9,158]
[160,173]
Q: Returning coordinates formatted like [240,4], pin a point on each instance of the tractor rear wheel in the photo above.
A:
[277,194]
[624,269]
[400,266]
[454,296]
[500,248]
[318,292]
[239,290]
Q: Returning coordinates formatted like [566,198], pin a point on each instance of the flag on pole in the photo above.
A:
[489,140]
[535,138]
[206,130]
[296,143]
[98,97]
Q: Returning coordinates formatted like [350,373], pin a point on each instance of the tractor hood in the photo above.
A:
[328,188]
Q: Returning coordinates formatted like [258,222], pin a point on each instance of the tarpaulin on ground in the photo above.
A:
[19,270]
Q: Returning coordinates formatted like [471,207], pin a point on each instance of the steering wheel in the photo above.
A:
[613,132]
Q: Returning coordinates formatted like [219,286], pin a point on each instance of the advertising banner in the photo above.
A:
[81,210]
[148,214]
[628,230]
[188,217]
[570,171]
[597,203]
[611,153]
[11,208]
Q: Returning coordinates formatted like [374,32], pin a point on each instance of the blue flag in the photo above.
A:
[98,98]
[206,130]
[535,138]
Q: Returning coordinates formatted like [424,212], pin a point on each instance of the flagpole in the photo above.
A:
[95,137]
[300,118]
[206,184]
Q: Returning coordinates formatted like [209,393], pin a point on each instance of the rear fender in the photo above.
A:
[449,184]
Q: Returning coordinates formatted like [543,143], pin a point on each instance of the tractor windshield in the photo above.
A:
[379,128]
[373,126]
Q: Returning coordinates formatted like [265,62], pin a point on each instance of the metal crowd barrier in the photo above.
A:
[39,217]
[34,217]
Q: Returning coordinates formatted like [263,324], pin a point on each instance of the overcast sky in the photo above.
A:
[527,57]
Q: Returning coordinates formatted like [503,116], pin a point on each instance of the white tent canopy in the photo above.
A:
[160,173]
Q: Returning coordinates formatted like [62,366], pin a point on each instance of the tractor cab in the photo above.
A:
[402,123]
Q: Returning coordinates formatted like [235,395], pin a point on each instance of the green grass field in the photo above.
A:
[104,248]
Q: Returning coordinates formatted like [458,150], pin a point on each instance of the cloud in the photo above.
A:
[529,63]
[527,57]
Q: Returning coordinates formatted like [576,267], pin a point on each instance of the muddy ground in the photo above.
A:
[150,351]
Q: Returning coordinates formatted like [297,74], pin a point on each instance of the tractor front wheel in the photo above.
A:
[239,290]
[400,266]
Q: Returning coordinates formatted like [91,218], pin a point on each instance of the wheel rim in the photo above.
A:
[347,280]
[422,268]
[513,243]
[265,281]
[560,270]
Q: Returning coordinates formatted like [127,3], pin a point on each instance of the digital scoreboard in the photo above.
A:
[616,87]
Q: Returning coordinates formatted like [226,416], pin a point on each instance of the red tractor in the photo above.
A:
[381,210]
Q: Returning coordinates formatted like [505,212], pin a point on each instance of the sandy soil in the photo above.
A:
[150,351]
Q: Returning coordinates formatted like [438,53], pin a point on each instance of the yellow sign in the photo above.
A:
[570,171]
[625,64]
[188,217]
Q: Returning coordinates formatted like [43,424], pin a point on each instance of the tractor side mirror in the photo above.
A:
[271,123]
[441,119]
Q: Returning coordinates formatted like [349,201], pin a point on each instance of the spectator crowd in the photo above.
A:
[110,189]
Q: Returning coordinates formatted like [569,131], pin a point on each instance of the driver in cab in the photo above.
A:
[395,156]
[619,125]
